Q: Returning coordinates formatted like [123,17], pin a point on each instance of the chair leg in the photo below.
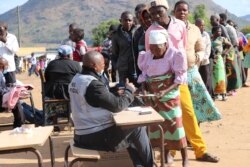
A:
[66,156]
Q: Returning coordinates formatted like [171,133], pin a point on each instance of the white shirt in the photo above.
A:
[207,44]
[69,42]
[8,50]
[33,60]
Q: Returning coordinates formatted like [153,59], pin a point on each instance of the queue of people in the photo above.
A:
[179,62]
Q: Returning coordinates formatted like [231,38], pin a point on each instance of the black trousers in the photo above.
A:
[206,75]
[19,117]
[114,138]
[123,75]
[10,78]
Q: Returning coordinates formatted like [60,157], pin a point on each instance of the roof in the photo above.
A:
[25,51]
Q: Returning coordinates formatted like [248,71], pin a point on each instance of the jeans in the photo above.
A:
[114,139]
[33,70]
[19,117]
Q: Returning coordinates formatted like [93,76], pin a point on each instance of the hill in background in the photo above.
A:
[46,21]
[246,17]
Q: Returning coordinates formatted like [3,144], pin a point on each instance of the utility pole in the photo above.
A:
[18,24]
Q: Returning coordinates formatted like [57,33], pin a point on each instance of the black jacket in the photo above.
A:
[98,94]
[123,51]
[58,75]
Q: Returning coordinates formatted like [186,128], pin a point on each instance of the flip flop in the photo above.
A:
[208,158]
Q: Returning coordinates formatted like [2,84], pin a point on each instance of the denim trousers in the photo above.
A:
[135,140]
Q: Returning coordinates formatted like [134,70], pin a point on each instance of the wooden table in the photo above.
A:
[15,143]
[131,117]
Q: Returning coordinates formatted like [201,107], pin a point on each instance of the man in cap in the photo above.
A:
[60,72]
[178,36]
[8,47]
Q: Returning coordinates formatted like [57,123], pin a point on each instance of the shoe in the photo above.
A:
[224,97]
[215,97]
[245,85]
[208,158]
[219,97]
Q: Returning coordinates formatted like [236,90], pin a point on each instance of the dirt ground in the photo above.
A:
[228,138]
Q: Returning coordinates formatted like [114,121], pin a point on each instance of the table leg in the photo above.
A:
[162,146]
[35,151]
[52,155]
[162,149]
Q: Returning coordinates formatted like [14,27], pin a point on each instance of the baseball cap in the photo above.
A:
[163,3]
[65,50]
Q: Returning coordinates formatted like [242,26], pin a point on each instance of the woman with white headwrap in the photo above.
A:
[163,69]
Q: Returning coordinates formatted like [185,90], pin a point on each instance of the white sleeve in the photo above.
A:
[83,50]
[12,44]
[208,47]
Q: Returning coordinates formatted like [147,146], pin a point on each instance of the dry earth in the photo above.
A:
[228,138]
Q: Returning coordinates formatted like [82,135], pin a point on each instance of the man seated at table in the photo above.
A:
[60,72]
[92,105]
[58,75]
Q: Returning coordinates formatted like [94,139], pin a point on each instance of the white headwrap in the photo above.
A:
[158,36]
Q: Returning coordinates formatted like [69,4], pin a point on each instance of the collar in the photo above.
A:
[90,71]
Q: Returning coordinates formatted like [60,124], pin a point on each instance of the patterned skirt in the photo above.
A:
[233,72]
[204,106]
[219,76]
[168,107]
[246,62]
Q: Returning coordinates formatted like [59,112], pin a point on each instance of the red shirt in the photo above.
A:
[80,50]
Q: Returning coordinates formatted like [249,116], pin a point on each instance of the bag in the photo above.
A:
[15,93]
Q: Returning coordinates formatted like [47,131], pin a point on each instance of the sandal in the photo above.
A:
[208,158]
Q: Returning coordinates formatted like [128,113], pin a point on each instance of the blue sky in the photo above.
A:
[10,4]
[237,7]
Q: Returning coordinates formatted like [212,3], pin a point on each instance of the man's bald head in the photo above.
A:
[215,20]
[4,25]
[199,21]
[93,60]
[3,63]
[3,29]
[201,24]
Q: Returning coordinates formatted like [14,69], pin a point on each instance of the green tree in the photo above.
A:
[100,32]
[191,17]
[200,11]
[245,30]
